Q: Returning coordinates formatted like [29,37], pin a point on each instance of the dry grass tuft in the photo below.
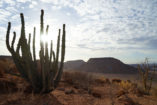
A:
[126,85]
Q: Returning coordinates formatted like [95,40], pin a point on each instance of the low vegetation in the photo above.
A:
[146,77]
[79,79]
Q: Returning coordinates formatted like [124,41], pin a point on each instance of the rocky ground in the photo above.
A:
[76,88]
[14,91]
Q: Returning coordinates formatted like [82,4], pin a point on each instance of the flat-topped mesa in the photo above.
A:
[108,65]
[104,59]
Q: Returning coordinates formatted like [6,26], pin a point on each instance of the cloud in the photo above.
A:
[51,1]
[11,9]
[1,3]
[2,31]
[33,3]
[4,14]
[56,7]
[22,1]
[10,2]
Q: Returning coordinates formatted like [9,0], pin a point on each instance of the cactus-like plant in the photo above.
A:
[46,79]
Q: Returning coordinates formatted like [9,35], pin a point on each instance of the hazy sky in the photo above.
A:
[124,29]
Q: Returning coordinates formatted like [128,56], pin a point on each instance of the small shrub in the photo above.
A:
[125,85]
[97,94]
[146,78]
[115,80]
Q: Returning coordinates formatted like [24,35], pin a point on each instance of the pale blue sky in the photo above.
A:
[124,29]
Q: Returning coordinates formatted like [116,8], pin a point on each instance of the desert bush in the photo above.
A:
[25,60]
[146,77]
[79,79]
[125,85]
[128,87]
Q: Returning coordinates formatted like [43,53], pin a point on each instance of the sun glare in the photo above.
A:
[46,38]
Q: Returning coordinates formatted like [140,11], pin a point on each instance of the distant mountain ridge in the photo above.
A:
[150,65]
[98,65]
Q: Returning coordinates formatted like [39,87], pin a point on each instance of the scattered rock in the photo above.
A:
[61,89]
[76,86]
[116,81]
[96,94]
[69,91]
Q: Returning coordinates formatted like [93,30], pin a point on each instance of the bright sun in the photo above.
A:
[46,38]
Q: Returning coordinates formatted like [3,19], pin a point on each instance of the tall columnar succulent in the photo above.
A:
[46,79]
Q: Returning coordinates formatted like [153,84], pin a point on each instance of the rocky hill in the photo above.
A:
[103,65]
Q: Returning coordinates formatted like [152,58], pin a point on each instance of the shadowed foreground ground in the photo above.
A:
[99,92]
[76,88]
